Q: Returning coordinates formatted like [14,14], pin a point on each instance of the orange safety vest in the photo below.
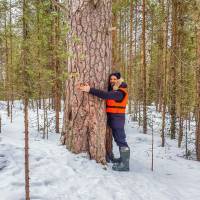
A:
[113,106]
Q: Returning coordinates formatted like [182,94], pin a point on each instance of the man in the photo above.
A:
[116,99]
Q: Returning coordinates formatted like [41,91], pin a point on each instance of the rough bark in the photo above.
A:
[84,126]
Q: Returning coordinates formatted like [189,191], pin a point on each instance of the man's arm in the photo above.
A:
[115,95]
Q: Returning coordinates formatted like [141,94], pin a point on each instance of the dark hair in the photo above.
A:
[118,76]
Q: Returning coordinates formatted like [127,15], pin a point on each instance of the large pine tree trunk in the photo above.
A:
[84,125]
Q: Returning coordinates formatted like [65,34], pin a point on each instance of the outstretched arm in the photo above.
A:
[115,95]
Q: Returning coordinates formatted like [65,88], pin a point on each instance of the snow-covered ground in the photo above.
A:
[57,174]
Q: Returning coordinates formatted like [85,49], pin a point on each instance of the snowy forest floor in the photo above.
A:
[57,174]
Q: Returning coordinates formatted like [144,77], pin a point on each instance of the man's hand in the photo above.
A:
[84,87]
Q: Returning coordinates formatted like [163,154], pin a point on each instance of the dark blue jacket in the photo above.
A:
[114,120]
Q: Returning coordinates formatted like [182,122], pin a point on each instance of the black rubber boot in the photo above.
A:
[111,158]
[123,165]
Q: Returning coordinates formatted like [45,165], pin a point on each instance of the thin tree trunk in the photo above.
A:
[38,117]
[11,64]
[144,66]
[136,102]
[180,137]
[25,78]
[159,69]
[7,66]
[186,138]
[198,96]
[115,50]
[165,41]
[38,53]
[45,117]
[26,149]
[130,64]
[152,145]
[56,64]
[181,84]
[173,69]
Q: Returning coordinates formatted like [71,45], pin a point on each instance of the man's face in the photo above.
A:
[113,80]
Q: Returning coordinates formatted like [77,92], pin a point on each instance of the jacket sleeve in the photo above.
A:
[115,95]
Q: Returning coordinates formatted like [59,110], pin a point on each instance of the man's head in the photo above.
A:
[114,78]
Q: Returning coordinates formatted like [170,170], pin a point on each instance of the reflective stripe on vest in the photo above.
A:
[113,106]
